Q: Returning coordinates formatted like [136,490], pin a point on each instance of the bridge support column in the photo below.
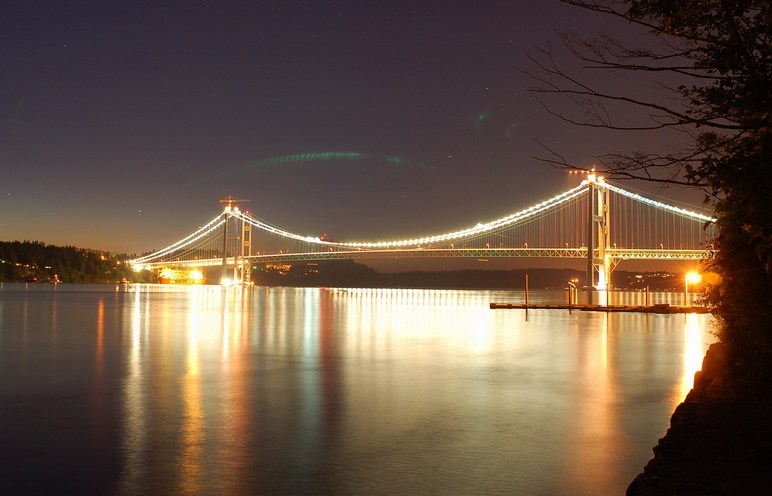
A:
[240,274]
[598,259]
[246,252]
[225,245]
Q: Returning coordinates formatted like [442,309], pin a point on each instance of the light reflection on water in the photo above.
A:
[694,330]
[200,390]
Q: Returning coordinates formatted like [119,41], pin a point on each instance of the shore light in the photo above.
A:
[690,278]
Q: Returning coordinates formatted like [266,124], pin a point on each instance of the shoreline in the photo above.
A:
[718,442]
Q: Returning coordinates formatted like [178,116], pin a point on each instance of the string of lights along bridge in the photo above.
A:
[595,221]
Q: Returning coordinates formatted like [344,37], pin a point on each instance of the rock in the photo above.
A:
[718,443]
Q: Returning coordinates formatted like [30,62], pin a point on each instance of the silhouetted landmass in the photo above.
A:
[33,261]
[347,273]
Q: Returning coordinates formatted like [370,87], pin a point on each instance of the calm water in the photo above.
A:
[200,390]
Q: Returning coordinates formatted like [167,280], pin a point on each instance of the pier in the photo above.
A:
[659,308]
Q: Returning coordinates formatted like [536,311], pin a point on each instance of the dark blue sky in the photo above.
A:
[123,123]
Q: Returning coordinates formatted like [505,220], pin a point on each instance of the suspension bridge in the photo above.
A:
[595,221]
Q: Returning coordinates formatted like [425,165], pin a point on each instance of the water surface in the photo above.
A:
[150,389]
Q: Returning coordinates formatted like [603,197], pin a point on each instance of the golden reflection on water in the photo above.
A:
[209,395]
[233,411]
[99,434]
[100,342]
[135,434]
[351,370]
[383,318]
[593,412]
[192,435]
[694,351]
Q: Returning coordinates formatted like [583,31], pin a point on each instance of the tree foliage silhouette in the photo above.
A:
[712,59]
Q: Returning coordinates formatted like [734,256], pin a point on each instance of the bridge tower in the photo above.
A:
[245,267]
[227,215]
[246,241]
[598,259]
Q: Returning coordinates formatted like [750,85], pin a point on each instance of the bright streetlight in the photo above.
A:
[690,278]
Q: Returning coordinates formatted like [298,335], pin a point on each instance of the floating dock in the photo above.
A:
[660,308]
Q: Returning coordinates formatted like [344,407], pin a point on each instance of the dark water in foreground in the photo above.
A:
[199,390]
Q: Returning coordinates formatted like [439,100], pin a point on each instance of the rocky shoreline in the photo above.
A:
[718,443]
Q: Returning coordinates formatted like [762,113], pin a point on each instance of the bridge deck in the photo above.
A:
[481,253]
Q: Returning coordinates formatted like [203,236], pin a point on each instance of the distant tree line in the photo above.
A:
[33,261]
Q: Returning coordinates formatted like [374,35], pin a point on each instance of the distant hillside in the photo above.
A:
[346,273]
[33,261]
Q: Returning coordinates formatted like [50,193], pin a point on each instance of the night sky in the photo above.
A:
[123,123]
